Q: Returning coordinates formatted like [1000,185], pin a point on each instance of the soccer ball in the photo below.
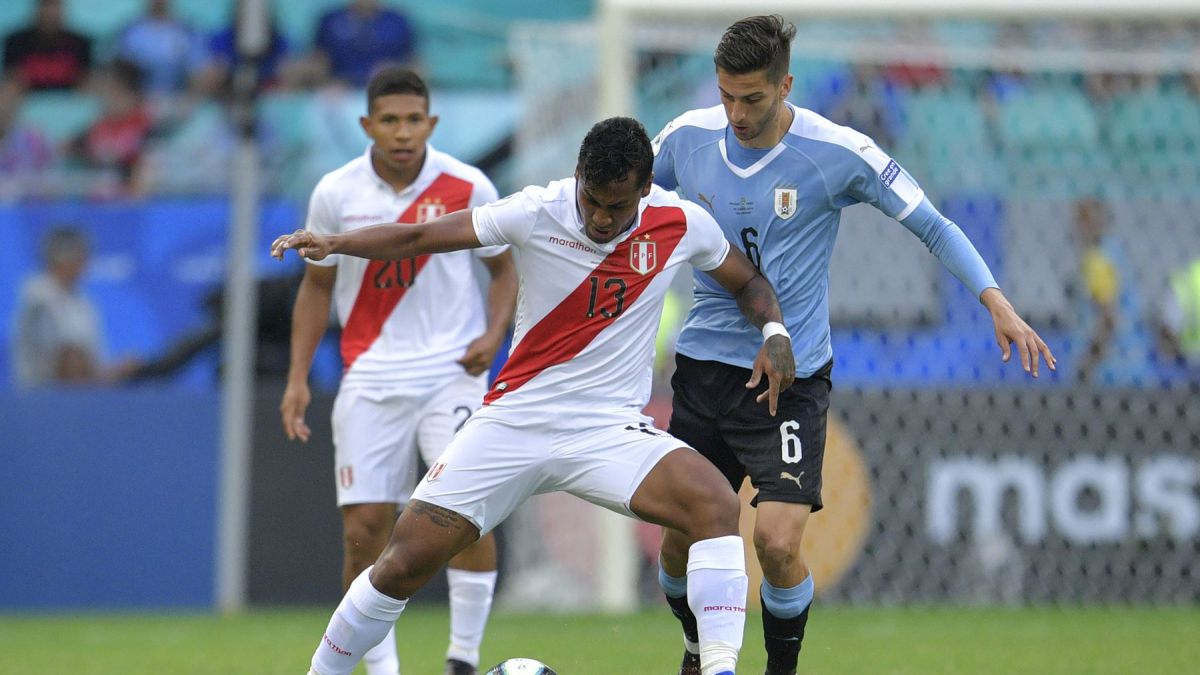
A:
[521,667]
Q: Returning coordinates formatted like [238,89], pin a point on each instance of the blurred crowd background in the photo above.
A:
[1068,150]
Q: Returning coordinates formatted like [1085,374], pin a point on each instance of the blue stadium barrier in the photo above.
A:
[108,499]
[152,263]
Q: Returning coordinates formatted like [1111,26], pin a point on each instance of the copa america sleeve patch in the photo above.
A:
[889,173]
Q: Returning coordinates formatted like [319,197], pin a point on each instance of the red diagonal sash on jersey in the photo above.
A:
[386,281]
[568,329]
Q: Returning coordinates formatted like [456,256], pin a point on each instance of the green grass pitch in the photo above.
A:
[922,641]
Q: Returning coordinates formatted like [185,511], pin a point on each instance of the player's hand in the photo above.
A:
[307,245]
[480,354]
[295,401]
[1011,330]
[777,362]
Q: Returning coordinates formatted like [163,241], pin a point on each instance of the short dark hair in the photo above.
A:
[395,80]
[757,43]
[611,149]
[127,74]
[63,242]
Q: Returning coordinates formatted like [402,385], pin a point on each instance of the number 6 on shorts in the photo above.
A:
[790,445]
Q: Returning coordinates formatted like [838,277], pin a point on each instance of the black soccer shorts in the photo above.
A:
[714,413]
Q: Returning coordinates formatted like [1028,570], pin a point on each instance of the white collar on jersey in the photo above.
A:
[428,169]
[764,160]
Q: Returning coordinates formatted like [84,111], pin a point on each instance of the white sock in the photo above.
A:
[470,603]
[716,588]
[381,659]
[361,620]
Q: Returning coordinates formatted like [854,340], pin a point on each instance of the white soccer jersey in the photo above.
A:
[587,313]
[404,323]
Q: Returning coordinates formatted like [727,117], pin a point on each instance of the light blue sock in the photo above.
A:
[675,587]
[786,603]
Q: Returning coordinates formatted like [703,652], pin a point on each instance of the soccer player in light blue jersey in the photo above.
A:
[776,177]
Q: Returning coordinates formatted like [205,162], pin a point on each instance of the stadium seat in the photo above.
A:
[60,115]
[103,21]
[946,145]
[207,139]
[206,16]
[14,15]
[297,19]
[1048,116]
[1155,120]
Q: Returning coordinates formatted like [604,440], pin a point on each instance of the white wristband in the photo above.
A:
[774,328]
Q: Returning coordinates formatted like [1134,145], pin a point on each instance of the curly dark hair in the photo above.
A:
[757,43]
[395,80]
[611,149]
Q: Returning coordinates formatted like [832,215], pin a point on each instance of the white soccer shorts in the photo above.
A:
[377,435]
[502,456]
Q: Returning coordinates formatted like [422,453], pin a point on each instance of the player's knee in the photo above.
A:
[397,574]
[777,549]
[716,515]
[364,531]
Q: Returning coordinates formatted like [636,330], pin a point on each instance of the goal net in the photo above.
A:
[1065,140]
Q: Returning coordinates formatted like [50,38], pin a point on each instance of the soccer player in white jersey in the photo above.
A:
[594,256]
[775,177]
[417,344]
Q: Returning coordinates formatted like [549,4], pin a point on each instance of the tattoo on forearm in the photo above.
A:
[444,518]
[758,302]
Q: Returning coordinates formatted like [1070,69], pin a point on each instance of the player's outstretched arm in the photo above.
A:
[389,241]
[758,303]
[1012,330]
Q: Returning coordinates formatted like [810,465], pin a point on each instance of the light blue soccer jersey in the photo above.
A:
[782,206]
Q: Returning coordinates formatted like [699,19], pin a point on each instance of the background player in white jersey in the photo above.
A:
[416,343]
[776,177]
[594,254]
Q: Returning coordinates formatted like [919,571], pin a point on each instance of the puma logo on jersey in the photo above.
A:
[783,475]
[865,148]
[706,200]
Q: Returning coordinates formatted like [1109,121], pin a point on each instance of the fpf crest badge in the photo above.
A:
[430,209]
[643,256]
[785,202]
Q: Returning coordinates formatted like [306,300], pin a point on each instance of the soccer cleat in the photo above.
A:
[456,667]
[690,664]
[769,672]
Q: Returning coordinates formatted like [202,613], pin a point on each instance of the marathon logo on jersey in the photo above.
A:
[435,471]
[430,209]
[889,173]
[643,256]
[785,202]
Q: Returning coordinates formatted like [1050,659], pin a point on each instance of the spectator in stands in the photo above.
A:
[46,55]
[1179,315]
[25,154]
[358,38]
[869,102]
[1115,342]
[115,143]
[1101,284]
[275,67]
[57,335]
[173,56]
